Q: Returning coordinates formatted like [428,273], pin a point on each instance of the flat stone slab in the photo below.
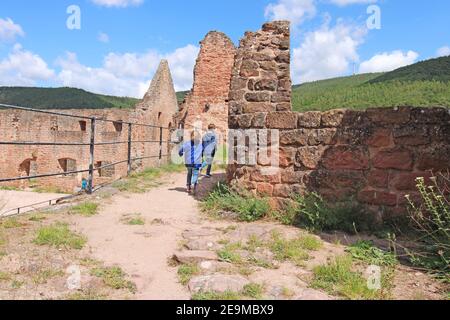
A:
[194,256]
[217,283]
[204,232]
[311,294]
[262,232]
[202,244]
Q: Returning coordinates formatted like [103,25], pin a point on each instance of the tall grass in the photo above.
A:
[431,218]
[246,206]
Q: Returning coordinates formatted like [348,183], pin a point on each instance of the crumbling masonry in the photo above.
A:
[371,156]
[157,108]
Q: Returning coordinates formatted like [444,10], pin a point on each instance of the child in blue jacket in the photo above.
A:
[193,159]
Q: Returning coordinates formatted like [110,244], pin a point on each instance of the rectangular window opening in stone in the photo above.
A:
[68,165]
[82,125]
[118,125]
[107,172]
[28,168]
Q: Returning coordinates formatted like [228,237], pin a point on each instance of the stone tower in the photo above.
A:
[208,100]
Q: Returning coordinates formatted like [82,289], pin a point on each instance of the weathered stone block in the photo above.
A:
[407,180]
[281,96]
[257,97]
[380,198]
[397,158]
[389,115]
[266,84]
[281,120]
[412,135]
[294,137]
[287,156]
[436,158]
[286,106]
[309,119]
[430,115]
[333,118]
[322,136]
[310,157]
[290,176]
[259,120]
[380,138]
[264,188]
[378,178]
[258,107]
[346,157]
[258,176]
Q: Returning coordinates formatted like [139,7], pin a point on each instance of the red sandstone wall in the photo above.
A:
[372,156]
[212,75]
[157,108]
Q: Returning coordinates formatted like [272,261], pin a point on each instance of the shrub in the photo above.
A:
[247,206]
[114,277]
[313,213]
[431,218]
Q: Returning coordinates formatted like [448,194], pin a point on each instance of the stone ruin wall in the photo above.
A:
[207,102]
[370,156]
[158,107]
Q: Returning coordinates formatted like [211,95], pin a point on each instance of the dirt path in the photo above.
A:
[143,251]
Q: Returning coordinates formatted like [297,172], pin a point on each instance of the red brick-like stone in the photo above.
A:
[436,158]
[380,138]
[400,159]
[257,176]
[378,178]
[309,119]
[346,157]
[287,157]
[309,157]
[281,120]
[264,188]
[295,137]
[389,115]
[333,118]
[407,180]
[381,198]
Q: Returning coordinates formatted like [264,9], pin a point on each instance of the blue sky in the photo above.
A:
[120,42]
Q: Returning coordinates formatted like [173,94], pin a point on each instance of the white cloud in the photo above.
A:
[444,51]
[296,11]
[343,3]
[103,37]
[388,61]
[127,74]
[23,68]
[9,31]
[327,52]
[118,3]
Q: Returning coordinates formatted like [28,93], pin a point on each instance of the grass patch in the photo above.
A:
[142,181]
[253,290]
[294,250]
[114,277]
[49,189]
[313,213]
[133,220]
[86,209]
[338,278]
[86,295]
[59,235]
[365,251]
[228,295]
[6,188]
[228,253]
[44,275]
[11,223]
[5,276]
[17,284]
[186,272]
[247,206]
[37,217]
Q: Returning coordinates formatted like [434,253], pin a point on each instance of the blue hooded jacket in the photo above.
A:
[193,154]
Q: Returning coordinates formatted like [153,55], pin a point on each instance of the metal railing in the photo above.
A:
[92,144]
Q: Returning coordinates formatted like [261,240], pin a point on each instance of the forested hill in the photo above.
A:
[61,98]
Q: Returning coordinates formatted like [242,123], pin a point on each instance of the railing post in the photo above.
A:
[91,158]
[130,128]
[160,144]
